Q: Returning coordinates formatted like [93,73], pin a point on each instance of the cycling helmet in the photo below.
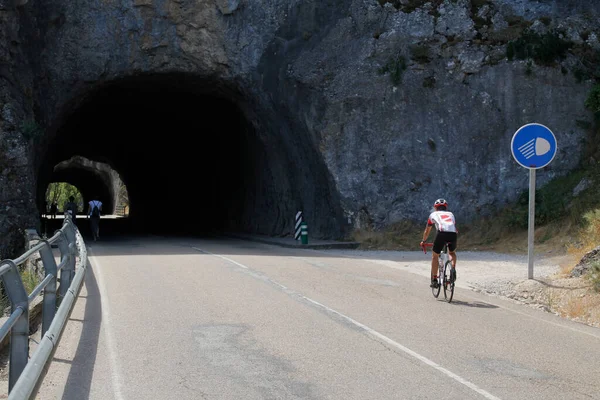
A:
[440,202]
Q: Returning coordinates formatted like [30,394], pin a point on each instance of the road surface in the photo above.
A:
[228,319]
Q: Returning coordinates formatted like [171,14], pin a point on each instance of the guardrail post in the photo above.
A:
[65,252]
[72,237]
[49,306]
[19,337]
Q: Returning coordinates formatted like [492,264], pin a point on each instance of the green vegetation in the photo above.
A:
[30,280]
[31,130]
[544,49]
[395,3]
[420,53]
[593,100]
[123,199]
[588,66]
[60,192]
[429,82]
[411,5]
[563,222]
[593,276]
[553,202]
[395,66]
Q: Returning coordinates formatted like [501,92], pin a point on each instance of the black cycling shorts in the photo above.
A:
[442,238]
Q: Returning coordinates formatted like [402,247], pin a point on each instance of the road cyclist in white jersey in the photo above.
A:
[445,224]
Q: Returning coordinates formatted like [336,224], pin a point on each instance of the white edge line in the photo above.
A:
[110,342]
[410,352]
[380,336]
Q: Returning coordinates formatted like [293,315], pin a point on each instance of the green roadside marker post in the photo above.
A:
[304,233]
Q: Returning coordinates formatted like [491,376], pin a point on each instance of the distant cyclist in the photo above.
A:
[445,224]
[94,212]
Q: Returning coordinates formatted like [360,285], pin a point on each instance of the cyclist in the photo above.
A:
[445,224]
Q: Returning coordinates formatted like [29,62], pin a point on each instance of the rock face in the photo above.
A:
[387,105]
[590,258]
[17,133]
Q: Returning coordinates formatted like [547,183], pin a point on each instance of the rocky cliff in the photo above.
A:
[365,110]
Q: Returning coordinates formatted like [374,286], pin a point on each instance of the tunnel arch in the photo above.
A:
[198,155]
[92,178]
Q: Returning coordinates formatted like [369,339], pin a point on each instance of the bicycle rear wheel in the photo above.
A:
[448,282]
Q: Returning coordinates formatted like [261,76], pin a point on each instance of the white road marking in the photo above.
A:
[224,258]
[110,342]
[378,335]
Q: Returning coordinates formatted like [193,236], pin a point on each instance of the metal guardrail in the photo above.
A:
[24,373]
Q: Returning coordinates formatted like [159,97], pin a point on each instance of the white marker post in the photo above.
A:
[533,146]
[297,225]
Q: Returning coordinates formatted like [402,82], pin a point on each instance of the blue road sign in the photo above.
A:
[533,146]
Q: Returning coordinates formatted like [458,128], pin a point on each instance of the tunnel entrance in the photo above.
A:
[58,195]
[191,156]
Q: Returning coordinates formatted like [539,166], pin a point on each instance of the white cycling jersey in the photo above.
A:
[444,221]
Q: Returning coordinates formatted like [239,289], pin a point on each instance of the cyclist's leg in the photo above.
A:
[438,245]
[434,265]
[452,244]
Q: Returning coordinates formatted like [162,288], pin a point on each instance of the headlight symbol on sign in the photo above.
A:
[535,147]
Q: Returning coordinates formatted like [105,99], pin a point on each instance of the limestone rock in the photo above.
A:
[454,19]
[581,186]
[228,6]
[471,61]
[329,84]
[586,261]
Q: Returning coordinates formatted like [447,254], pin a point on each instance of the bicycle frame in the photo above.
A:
[444,258]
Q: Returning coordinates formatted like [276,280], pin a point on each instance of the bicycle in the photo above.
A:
[446,273]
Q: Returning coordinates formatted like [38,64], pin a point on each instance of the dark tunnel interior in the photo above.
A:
[183,153]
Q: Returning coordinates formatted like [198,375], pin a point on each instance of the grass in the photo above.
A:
[30,281]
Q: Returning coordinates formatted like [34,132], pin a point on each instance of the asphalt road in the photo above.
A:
[227,319]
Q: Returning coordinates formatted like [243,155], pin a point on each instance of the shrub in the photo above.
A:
[395,66]
[543,49]
[420,53]
[593,100]
[593,276]
[30,129]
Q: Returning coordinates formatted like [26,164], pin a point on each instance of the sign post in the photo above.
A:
[533,146]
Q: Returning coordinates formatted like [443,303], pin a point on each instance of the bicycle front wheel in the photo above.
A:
[448,282]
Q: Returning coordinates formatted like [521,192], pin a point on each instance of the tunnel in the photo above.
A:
[196,156]
[92,179]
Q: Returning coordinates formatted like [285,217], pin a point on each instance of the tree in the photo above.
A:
[60,192]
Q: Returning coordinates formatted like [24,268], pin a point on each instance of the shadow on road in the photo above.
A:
[82,367]
[475,304]
[572,288]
